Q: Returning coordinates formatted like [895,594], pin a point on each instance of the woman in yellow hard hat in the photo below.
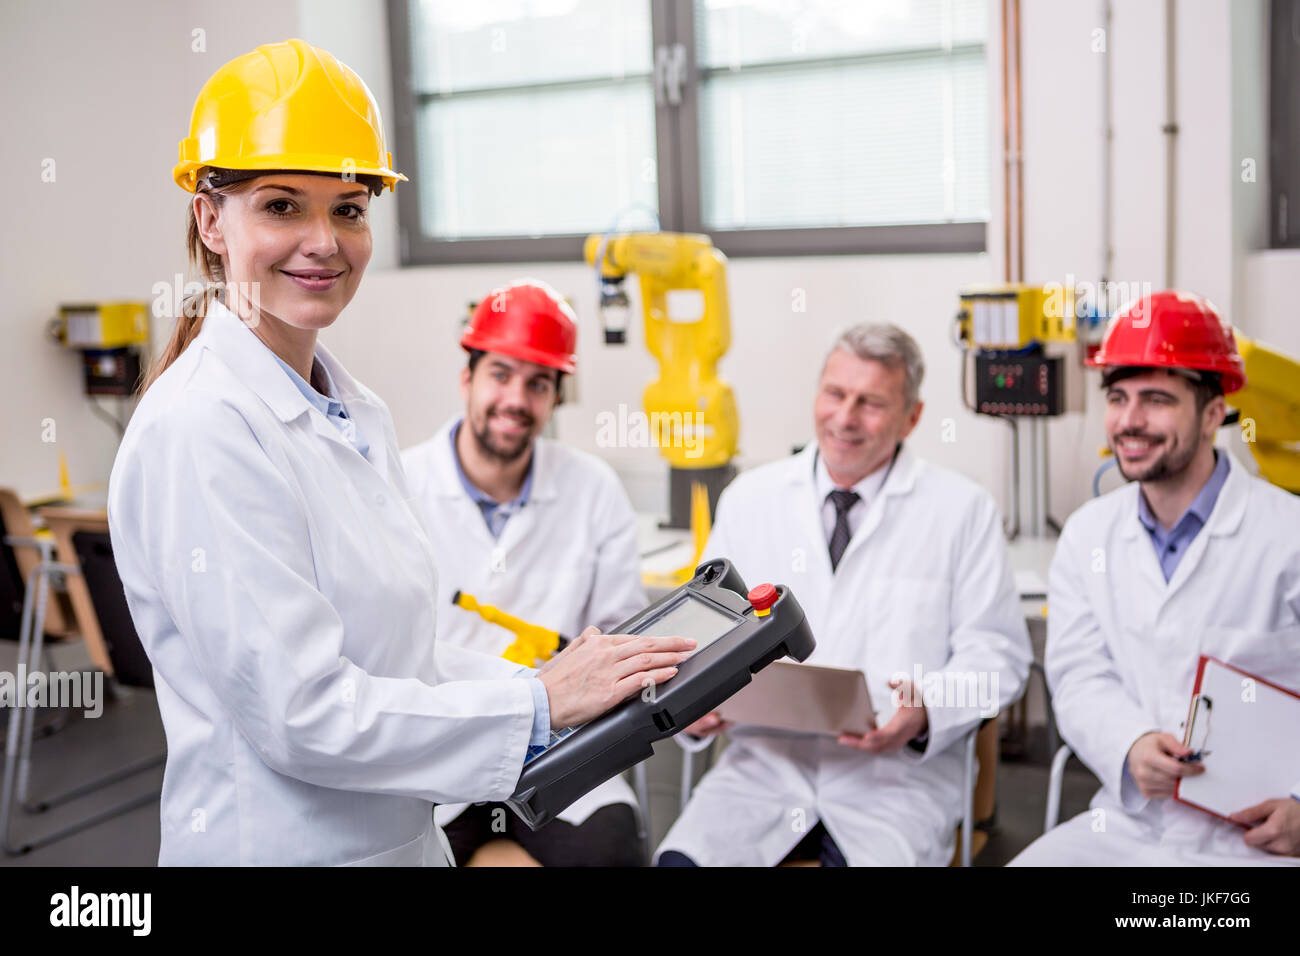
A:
[279,580]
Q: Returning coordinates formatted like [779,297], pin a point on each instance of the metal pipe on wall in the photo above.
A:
[1044,516]
[1034,466]
[1019,155]
[1013,261]
[1107,151]
[1013,214]
[1006,145]
[1170,129]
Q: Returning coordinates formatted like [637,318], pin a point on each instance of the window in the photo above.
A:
[1284,125]
[776,126]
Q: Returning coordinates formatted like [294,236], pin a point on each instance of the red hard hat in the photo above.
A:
[527,320]
[1173,330]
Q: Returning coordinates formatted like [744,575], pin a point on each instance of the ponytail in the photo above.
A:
[195,307]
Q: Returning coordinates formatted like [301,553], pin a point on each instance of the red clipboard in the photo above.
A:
[1235,718]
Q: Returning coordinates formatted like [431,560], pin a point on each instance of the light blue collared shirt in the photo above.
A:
[496,514]
[327,405]
[1171,545]
[541,713]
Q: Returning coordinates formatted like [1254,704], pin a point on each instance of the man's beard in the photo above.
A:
[1169,464]
[505,454]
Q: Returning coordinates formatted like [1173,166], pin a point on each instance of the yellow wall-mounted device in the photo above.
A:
[108,325]
[1011,316]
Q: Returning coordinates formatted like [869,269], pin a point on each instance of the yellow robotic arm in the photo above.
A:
[692,412]
[1270,411]
[532,642]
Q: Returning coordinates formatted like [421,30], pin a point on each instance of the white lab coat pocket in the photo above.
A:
[424,850]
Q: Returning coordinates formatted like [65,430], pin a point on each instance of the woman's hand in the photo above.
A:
[597,671]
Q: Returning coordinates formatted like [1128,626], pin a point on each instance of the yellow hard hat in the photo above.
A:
[286,106]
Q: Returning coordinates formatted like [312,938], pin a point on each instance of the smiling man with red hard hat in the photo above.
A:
[1194,556]
[542,531]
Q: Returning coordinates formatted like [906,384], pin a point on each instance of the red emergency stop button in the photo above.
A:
[761,598]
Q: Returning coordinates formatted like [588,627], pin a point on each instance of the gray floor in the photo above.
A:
[130,729]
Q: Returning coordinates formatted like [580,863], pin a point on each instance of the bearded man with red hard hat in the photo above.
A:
[1194,556]
[537,529]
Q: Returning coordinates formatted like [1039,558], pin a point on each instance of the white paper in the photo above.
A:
[1252,738]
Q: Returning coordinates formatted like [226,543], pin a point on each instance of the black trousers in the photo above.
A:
[606,838]
[816,845]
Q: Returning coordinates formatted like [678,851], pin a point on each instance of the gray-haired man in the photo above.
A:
[902,571]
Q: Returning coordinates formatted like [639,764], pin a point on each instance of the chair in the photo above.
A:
[20,552]
[11,580]
[979,787]
[641,785]
[130,668]
[1055,782]
[30,599]
[131,665]
[20,558]
[1053,734]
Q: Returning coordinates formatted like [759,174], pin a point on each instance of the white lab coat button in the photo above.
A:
[380,499]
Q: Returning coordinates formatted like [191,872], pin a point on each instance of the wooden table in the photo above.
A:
[63,522]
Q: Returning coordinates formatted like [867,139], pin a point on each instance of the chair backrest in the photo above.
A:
[95,554]
[11,588]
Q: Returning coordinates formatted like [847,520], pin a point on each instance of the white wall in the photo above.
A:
[105,90]
[110,114]
[1272,297]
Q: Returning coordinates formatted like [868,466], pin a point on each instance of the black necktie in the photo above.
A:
[844,502]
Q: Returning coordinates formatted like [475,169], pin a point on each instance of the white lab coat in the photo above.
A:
[284,591]
[566,560]
[924,581]
[1122,647]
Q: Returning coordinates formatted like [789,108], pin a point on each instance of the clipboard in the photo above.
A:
[1247,734]
[803,698]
